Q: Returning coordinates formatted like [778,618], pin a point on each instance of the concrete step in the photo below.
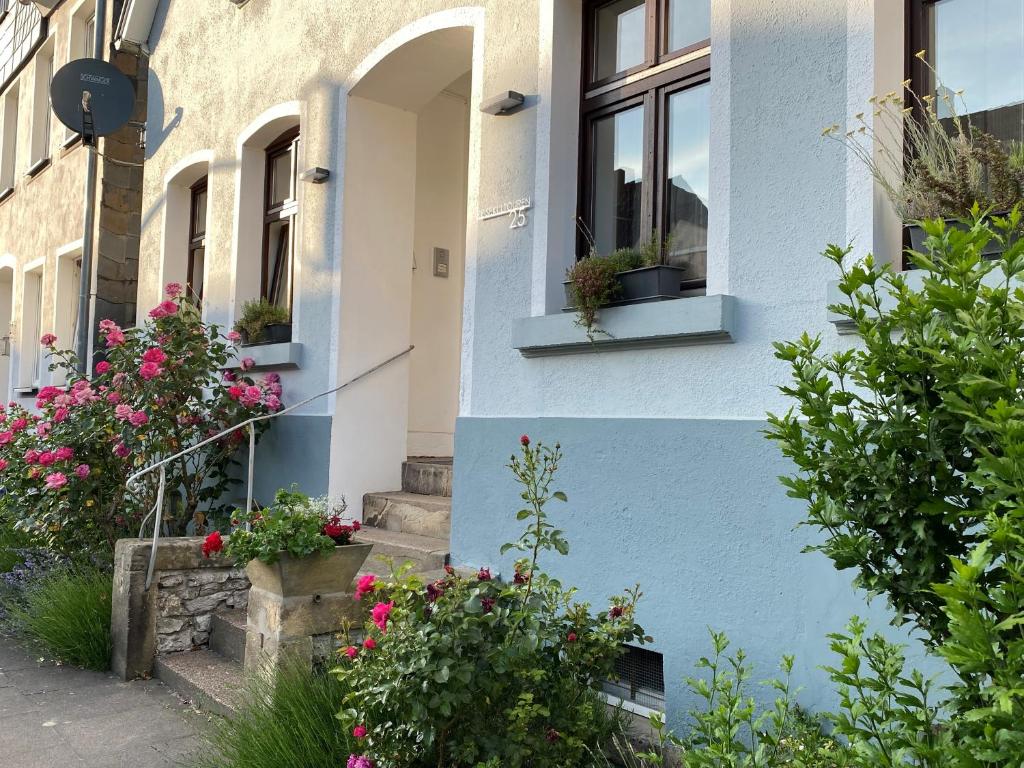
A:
[227,634]
[206,678]
[427,553]
[406,512]
[427,476]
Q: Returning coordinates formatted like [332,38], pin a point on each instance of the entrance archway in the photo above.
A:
[407,126]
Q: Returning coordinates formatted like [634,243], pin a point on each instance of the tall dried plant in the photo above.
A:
[931,166]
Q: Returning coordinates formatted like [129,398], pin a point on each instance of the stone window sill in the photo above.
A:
[38,167]
[676,323]
[286,355]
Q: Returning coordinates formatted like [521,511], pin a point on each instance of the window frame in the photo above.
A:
[662,74]
[196,240]
[275,211]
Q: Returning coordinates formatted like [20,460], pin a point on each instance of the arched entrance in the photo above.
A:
[407,126]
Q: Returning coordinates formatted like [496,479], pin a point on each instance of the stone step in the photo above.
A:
[427,553]
[227,634]
[427,476]
[209,680]
[406,512]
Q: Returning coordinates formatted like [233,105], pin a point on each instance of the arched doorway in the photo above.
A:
[407,125]
[6,306]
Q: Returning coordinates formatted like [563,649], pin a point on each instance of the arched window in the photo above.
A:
[197,241]
[281,208]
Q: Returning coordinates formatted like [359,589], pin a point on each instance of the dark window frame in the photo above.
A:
[275,211]
[196,239]
[602,97]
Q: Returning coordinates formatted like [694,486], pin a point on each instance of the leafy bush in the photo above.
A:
[910,456]
[257,314]
[468,671]
[160,389]
[67,612]
[295,524]
[285,723]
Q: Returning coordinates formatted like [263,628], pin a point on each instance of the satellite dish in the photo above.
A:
[92,97]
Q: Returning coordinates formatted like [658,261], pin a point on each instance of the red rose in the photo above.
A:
[572,637]
[212,543]
[525,440]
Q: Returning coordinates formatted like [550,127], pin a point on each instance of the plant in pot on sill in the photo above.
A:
[931,162]
[627,276]
[264,323]
[298,545]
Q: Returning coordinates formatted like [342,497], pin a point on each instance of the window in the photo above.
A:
[41,117]
[646,130]
[639,678]
[973,46]
[33,362]
[83,29]
[197,241]
[9,149]
[280,211]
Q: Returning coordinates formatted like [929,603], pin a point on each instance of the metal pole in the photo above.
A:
[85,283]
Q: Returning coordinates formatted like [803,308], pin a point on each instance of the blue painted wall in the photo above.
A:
[690,509]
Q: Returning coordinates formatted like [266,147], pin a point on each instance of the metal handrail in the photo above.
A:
[158,509]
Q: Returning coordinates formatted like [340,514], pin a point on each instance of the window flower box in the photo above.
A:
[915,236]
[639,286]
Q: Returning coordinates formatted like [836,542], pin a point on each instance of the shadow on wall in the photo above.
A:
[156,131]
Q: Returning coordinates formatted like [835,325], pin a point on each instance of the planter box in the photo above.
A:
[916,237]
[273,333]
[318,574]
[639,286]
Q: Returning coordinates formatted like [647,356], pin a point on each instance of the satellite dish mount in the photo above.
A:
[92,97]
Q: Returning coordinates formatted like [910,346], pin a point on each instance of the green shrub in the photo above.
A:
[67,613]
[469,671]
[287,724]
[257,314]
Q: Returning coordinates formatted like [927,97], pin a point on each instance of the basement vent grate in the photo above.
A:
[639,678]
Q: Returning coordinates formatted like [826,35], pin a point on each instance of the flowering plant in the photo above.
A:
[470,670]
[159,389]
[296,524]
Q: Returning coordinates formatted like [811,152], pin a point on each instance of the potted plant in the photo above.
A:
[299,546]
[264,323]
[627,276]
[932,163]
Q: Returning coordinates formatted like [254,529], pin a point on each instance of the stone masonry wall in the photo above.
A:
[186,601]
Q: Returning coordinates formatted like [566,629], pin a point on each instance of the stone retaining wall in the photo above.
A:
[176,612]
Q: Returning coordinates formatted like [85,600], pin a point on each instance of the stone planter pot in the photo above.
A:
[318,574]
[639,286]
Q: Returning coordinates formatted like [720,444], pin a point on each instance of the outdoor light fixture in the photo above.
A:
[316,175]
[503,104]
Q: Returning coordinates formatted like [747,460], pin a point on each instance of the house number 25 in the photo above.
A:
[515,210]
[517,218]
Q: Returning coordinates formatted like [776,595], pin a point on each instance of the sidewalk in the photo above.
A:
[63,717]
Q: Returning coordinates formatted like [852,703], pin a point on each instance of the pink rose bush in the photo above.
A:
[160,388]
[476,669]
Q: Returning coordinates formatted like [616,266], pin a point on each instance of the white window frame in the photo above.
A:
[64,314]
[83,29]
[42,114]
[9,146]
[32,363]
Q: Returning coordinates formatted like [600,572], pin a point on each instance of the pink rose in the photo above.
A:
[273,403]
[63,453]
[56,481]
[274,388]
[229,376]
[272,378]
[163,309]
[118,379]
[351,651]
[46,394]
[365,585]
[82,470]
[3,464]
[121,450]
[31,456]
[380,614]
[115,337]
[63,400]
[107,325]
[247,364]
[359,731]
[102,367]
[19,424]
[48,340]
[114,397]
[138,418]
[234,337]
[42,428]
[123,412]
[154,355]
[60,414]
[6,437]
[251,396]
[46,458]
[173,290]
[150,371]
[369,643]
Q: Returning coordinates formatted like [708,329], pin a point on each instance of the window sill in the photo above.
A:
[675,323]
[6,193]
[29,391]
[38,167]
[286,355]
[71,142]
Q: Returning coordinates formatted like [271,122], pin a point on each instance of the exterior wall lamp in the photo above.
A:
[504,103]
[315,175]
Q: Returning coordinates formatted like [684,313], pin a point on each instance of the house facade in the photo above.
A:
[42,192]
[364,166]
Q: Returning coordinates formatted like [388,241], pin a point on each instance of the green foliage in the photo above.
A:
[295,524]
[475,671]
[65,466]
[12,541]
[257,314]
[887,437]
[67,612]
[289,723]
